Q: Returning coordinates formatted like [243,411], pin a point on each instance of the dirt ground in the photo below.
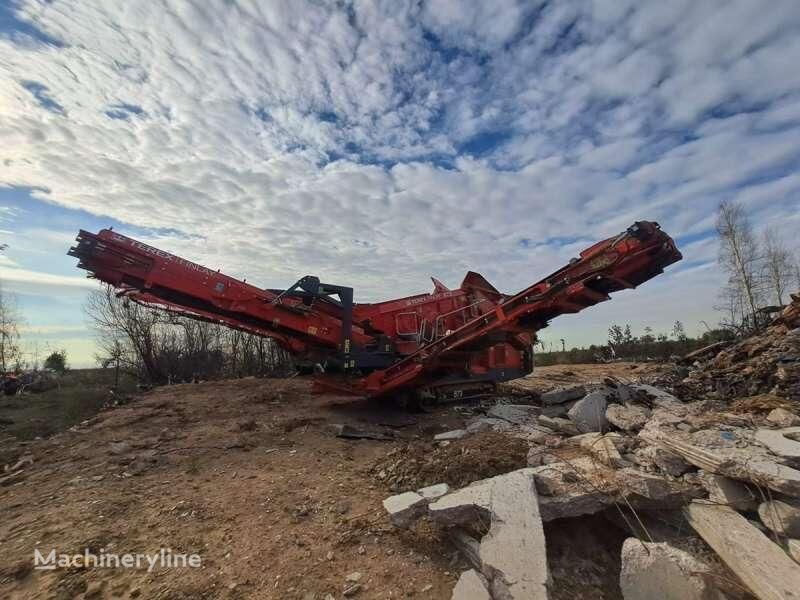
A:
[249,475]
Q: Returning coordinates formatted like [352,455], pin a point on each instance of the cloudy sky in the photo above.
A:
[377,143]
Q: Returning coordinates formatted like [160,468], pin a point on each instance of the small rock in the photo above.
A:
[427,588]
[120,447]
[352,590]
[405,508]
[782,517]
[627,418]
[354,577]
[455,434]
[432,492]
[781,417]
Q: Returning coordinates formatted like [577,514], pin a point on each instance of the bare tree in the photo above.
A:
[10,353]
[118,321]
[162,346]
[777,266]
[740,258]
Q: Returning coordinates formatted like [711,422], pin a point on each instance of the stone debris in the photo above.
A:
[780,516]
[780,417]
[665,467]
[512,554]
[779,441]
[471,586]
[562,395]
[602,448]
[761,565]
[405,508]
[723,490]
[455,434]
[589,413]
[662,571]
[627,417]
[484,423]
[758,470]
[558,424]
[433,492]
[517,414]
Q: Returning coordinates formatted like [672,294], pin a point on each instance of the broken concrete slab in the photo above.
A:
[513,553]
[602,448]
[558,424]
[761,565]
[589,413]
[756,470]
[470,586]
[663,460]
[662,571]
[580,486]
[781,417]
[627,418]
[561,395]
[723,490]
[485,423]
[655,396]
[778,442]
[434,492]
[781,517]
[405,508]
[455,434]
[514,413]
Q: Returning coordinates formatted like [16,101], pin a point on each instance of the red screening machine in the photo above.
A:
[422,349]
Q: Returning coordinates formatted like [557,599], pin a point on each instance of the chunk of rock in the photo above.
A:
[559,424]
[663,460]
[433,492]
[656,396]
[779,442]
[781,517]
[120,448]
[589,413]
[561,395]
[781,417]
[471,586]
[536,434]
[485,423]
[405,508]
[455,434]
[514,413]
[662,571]
[602,448]
[513,552]
[627,418]
[723,490]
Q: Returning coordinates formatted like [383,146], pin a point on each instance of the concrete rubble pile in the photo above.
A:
[766,363]
[633,452]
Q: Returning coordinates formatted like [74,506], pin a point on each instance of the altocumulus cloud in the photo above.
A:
[378,142]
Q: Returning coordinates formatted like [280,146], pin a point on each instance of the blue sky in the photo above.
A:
[378,143]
